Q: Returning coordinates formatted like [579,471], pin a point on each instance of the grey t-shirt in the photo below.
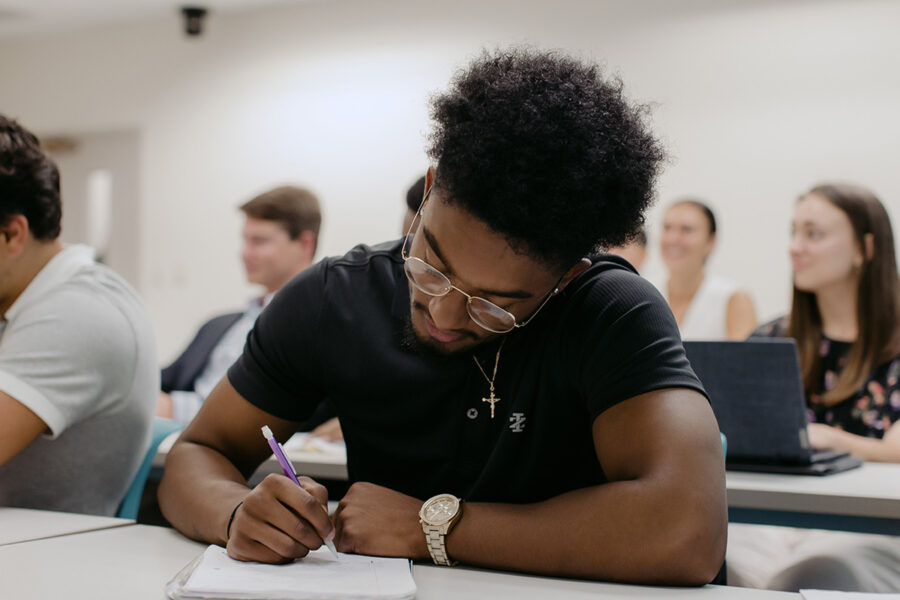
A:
[77,349]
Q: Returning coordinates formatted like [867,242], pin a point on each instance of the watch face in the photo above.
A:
[440,510]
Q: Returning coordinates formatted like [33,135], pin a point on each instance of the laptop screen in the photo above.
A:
[756,393]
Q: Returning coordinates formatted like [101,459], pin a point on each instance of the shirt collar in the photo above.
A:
[71,259]
[260,302]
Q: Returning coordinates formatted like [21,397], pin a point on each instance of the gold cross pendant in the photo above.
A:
[493,400]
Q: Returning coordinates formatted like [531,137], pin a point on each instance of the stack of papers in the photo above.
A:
[214,575]
[306,443]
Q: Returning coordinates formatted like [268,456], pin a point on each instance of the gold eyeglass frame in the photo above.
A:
[449,285]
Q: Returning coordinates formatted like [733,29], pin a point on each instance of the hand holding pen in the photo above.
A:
[279,521]
[288,469]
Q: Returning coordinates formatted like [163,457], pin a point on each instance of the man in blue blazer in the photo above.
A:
[181,374]
[281,231]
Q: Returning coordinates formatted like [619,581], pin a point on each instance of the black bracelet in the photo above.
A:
[231,520]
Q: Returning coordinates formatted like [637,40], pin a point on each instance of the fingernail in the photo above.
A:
[330,536]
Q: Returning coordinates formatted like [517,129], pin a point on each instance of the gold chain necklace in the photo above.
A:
[493,399]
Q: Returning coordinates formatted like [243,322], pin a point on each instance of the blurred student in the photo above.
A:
[634,251]
[845,317]
[77,360]
[281,233]
[705,307]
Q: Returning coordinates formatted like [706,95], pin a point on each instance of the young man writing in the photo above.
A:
[483,357]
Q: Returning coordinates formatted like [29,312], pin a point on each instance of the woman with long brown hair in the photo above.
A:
[845,316]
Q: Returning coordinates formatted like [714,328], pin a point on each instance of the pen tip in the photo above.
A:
[333,550]
[267,433]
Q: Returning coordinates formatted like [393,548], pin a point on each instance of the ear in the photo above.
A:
[429,183]
[429,179]
[308,240]
[580,267]
[869,245]
[15,234]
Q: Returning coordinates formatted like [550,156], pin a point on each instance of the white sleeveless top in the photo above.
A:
[705,317]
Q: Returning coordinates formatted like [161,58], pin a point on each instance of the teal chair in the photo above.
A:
[162,428]
[724,444]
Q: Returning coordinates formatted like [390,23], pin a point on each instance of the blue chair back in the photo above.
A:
[162,428]
[724,444]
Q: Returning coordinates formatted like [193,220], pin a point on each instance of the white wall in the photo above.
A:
[755,100]
[116,153]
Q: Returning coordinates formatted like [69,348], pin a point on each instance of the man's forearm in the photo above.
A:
[662,518]
[199,491]
[619,531]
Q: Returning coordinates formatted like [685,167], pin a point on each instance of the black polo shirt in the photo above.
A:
[416,423]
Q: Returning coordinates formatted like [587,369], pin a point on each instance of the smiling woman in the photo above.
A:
[705,307]
[845,317]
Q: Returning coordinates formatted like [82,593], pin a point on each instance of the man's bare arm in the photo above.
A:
[205,478]
[662,518]
[18,427]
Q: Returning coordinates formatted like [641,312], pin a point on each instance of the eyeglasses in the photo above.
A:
[429,280]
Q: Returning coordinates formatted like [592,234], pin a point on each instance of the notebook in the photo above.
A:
[214,575]
[756,393]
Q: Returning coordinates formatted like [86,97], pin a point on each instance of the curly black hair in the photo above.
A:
[29,181]
[546,152]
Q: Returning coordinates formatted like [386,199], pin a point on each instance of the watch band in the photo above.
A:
[437,516]
[434,537]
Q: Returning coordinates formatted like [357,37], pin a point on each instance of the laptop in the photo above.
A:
[756,393]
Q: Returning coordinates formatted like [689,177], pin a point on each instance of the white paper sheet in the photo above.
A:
[319,575]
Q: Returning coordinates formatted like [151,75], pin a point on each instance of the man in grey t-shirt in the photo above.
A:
[78,376]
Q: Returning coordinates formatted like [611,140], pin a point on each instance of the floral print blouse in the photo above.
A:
[871,410]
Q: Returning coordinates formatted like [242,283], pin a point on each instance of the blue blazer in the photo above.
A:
[182,373]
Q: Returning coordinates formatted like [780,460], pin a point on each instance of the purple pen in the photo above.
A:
[278,451]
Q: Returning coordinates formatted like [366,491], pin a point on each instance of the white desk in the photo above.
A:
[865,499]
[131,562]
[461,583]
[22,525]
[318,465]
[135,562]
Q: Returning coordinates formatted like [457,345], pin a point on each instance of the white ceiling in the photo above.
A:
[26,17]
[29,17]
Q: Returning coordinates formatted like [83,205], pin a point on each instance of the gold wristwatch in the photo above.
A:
[438,516]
